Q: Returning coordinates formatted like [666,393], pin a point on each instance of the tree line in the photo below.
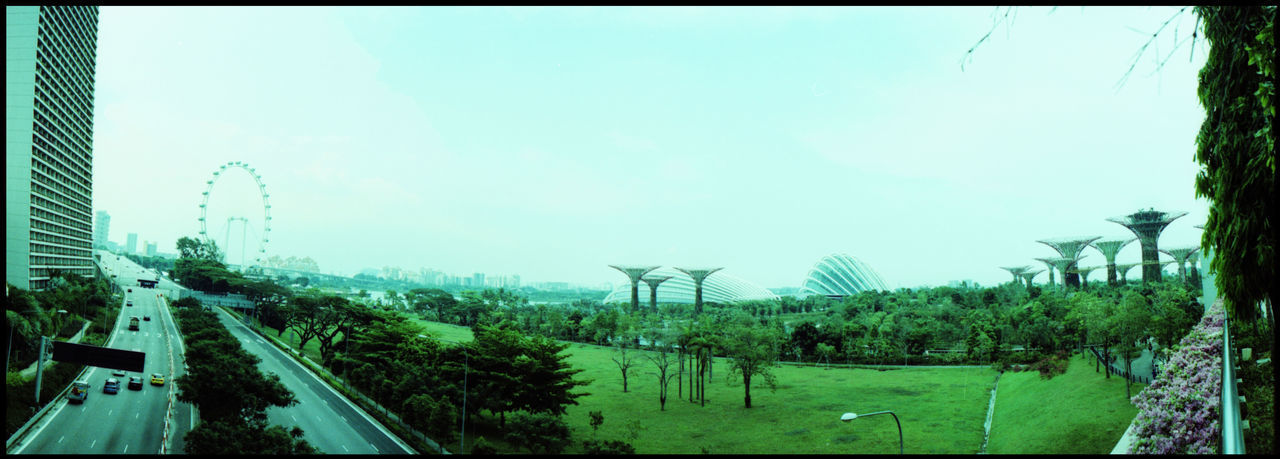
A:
[223,381]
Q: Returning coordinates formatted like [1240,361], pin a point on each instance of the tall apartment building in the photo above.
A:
[132,243]
[101,228]
[151,249]
[50,54]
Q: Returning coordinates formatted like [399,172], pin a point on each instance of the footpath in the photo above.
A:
[1141,372]
[30,371]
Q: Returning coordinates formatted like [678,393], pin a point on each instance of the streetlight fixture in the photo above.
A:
[851,416]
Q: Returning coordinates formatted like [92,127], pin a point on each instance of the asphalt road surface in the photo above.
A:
[328,420]
[131,421]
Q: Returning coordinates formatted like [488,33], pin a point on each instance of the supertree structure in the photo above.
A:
[1147,225]
[698,275]
[1191,268]
[653,282]
[1063,264]
[1016,271]
[634,273]
[1084,274]
[1157,265]
[1180,256]
[1027,276]
[1048,264]
[1124,268]
[1109,249]
[1070,247]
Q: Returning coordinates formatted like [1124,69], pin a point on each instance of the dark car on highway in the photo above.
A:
[135,383]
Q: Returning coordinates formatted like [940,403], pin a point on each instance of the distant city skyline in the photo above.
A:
[553,142]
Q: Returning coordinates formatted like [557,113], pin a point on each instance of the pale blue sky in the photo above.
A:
[551,142]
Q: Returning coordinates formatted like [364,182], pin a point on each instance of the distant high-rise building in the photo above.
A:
[50,54]
[131,244]
[477,280]
[100,229]
[151,249]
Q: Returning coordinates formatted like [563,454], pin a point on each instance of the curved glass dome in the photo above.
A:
[719,287]
[841,274]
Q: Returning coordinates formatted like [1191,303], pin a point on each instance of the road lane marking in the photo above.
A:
[375,448]
[60,438]
[94,443]
[294,418]
[109,412]
[344,419]
[126,449]
[344,448]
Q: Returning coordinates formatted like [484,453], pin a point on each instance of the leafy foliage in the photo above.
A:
[222,437]
[232,394]
[224,381]
[539,432]
[595,447]
[752,352]
[1236,149]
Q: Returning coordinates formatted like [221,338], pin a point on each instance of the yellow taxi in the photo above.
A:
[157,379]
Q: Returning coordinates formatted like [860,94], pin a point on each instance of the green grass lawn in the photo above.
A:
[942,409]
[1079,412]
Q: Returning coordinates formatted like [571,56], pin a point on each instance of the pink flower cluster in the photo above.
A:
[1179,412]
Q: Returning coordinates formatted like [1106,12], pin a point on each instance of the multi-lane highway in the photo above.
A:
[130,421]
[133,421]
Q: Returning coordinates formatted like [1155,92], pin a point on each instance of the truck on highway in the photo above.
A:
[79,391]
[133,323]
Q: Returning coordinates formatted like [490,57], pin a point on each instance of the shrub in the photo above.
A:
[483,447]
[186,302]
[1051,365]
[1179,412]
[607,447]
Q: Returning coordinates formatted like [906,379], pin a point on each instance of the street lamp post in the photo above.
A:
[851,416]
[347,339]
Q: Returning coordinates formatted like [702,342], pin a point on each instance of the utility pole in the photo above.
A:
[44,342]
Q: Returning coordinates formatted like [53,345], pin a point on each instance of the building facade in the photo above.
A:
[50,55]
[131,243]
[101,228]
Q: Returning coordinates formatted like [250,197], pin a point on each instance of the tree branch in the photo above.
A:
[1138,55]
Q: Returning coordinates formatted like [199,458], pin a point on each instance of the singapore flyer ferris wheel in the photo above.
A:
[260,253]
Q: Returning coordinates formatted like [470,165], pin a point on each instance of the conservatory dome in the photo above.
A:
[841,275]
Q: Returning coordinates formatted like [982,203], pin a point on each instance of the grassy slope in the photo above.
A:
[942,410]
[1079,412]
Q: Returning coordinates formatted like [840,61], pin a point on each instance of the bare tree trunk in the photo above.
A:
[680,375]
[702,378]
[691,372]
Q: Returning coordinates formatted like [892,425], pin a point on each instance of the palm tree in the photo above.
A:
[684,332]
[699,346]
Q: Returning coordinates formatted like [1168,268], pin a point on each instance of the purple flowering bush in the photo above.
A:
[1179,412]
